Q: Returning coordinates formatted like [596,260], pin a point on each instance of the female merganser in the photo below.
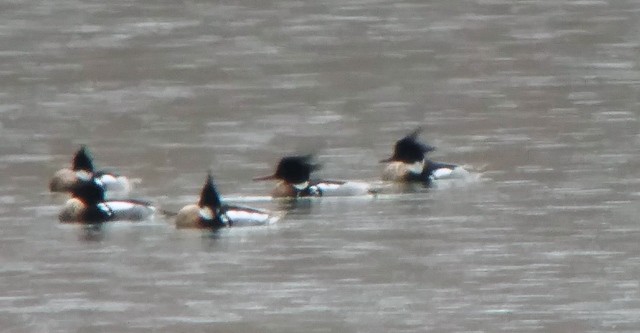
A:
[82,168]
[211,213]
[409,163]
[88,205]
[294,174]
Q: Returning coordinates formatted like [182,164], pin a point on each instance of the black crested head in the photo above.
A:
[409,149]
[90,191]
[296,169]
[209,196]
[82,160]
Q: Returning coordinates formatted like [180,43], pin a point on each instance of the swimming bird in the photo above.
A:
[88,205]
[82,168]
[211,213]
[409,163]
[294,172]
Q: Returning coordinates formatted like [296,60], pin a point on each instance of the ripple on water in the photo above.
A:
[539,95]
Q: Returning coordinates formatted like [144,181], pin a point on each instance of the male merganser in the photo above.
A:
[294,174]
[211,213]
[88,205]
[82,168]
[409,163]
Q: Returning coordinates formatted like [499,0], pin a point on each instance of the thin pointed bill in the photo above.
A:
[270,177]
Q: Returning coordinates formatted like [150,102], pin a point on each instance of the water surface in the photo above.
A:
[541,98]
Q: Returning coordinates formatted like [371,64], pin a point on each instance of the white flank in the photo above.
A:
[107,179]
[441,173]
[301,186]
[120,206]
[117,184]
[455,173]
[126,210]
[459,176]
[248,218]
[347,189]
[324,187]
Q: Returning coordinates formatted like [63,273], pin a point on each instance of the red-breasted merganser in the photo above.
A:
[409,163]
[211,213]
[294,172]
[82,168]
[88,205]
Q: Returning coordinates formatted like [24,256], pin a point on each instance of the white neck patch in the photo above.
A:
[83,175]
[206,213]
[416,167]
[300,186]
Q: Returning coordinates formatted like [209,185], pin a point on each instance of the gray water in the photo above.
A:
[539,98]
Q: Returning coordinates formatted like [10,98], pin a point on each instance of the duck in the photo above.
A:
[293,174]
[82,168]
[409,163]
[89,206]
[212,213]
